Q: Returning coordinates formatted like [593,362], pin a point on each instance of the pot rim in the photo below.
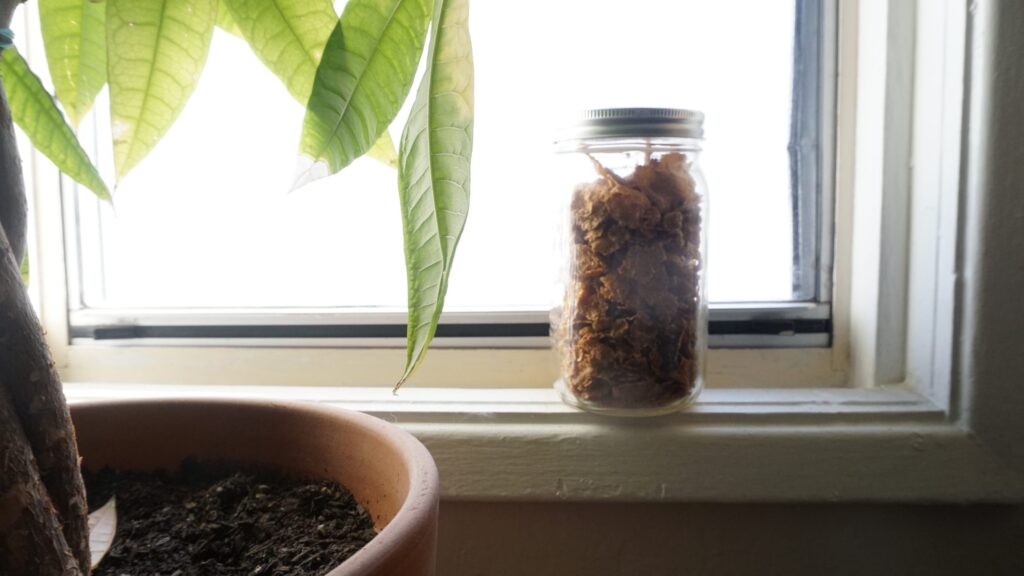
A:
[418,507]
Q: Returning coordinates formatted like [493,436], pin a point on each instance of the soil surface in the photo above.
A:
[212,520]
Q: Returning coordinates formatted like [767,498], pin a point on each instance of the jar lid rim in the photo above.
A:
[625,122]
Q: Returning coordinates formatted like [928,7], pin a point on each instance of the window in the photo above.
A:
[918,85]
[206,228]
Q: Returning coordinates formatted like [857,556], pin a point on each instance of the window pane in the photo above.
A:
[208,220]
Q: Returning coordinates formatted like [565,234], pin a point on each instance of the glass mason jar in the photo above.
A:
[631,323]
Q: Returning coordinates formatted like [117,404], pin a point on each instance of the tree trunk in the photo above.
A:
[30,536]
[31,391]
[29,378]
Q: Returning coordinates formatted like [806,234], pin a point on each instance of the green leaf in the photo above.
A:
[225,21]
[368,67]
[75,39]
[288,36]
[156,50]
[35,111]
[25,271]
[384,150]
[433,174]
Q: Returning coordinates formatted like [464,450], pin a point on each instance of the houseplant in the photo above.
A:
[150,53]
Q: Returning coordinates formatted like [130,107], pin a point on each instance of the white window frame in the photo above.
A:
[927,308]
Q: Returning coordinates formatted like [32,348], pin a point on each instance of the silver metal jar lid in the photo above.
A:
[639,122]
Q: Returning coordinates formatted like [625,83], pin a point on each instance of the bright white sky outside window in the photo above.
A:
[207,219]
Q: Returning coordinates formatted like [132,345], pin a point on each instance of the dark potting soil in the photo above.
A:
[210,521]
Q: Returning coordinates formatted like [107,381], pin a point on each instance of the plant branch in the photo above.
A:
[13,206]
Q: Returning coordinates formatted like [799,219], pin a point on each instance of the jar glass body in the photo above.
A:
[630,322]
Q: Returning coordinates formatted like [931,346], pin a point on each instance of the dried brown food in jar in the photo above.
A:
[629,328]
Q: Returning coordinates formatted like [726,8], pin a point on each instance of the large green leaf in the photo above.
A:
[368,67]
[288,36]
[156,50]
[76,50]
[35,111]
[384,150]
[225,21]
[433,173]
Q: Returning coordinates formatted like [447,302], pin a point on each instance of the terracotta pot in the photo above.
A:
[386,469]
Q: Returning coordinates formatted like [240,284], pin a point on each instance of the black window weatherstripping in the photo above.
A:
[734,326]
[804,322]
